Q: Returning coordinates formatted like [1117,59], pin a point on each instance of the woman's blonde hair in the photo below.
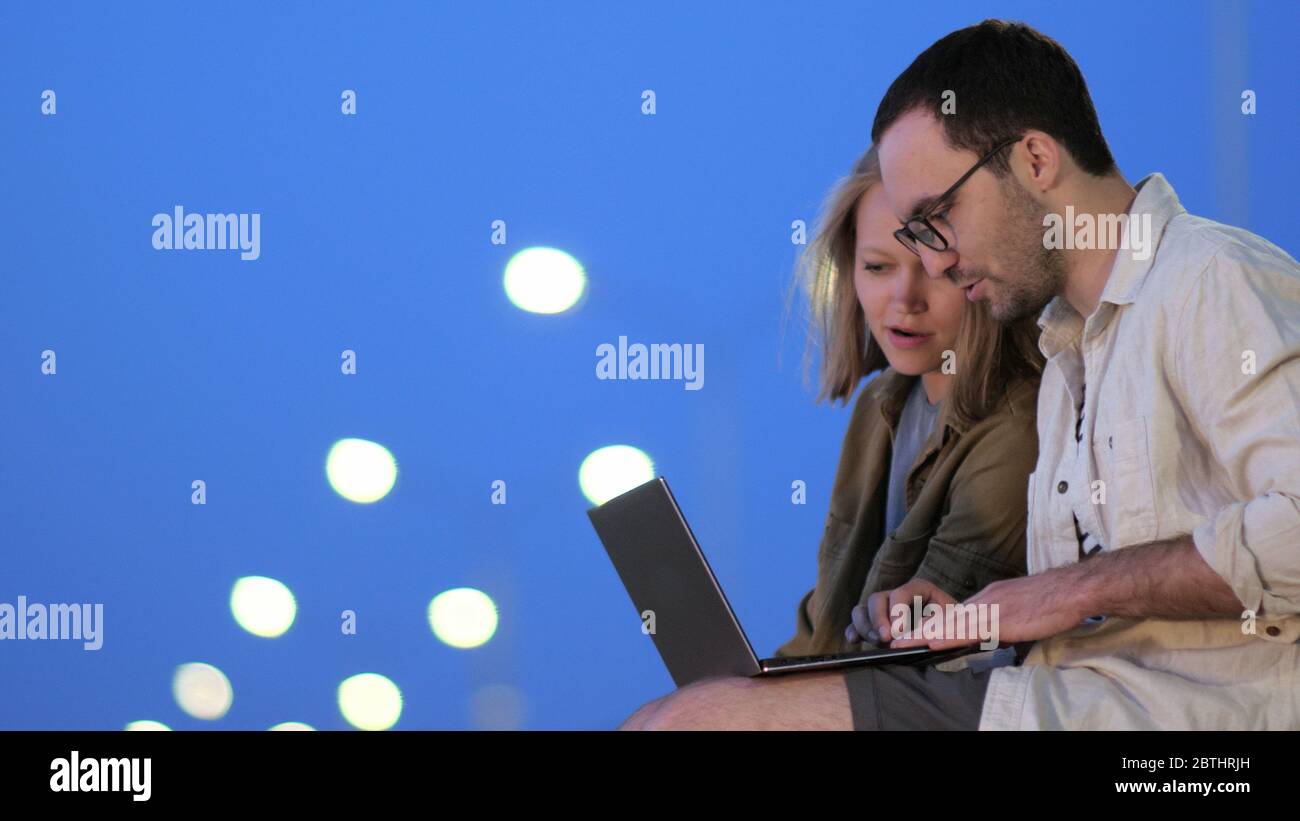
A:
[989,356]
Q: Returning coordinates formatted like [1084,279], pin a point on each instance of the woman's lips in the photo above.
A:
[899,340]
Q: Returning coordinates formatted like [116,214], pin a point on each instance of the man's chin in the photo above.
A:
[1007,311]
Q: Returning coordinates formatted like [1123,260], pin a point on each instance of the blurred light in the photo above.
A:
[497,707]
[140,726]
[292,725]
[360,470]
[202,690]
[370,701]
[612,470]
[463,617]
[544,280]
[262,606]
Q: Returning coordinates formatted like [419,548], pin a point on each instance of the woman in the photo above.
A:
[930,494]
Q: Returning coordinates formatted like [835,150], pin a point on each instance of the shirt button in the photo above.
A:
[1062,487]
[1273,631]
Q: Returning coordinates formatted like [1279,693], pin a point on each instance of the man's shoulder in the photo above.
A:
[1212,266]
[1197,252]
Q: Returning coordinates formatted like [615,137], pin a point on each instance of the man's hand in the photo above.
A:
[1159,580]
[1027,609]
[871,621]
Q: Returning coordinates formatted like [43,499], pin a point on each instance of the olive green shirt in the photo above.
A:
[965,521]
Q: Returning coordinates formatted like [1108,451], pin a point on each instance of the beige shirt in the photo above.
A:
[1191,426]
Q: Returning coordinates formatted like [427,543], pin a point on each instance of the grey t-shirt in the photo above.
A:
[915,425]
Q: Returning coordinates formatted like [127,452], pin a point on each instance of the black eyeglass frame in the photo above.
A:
[908,236]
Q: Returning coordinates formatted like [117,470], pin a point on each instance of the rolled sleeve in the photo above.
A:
[1253,547]
[1237,366]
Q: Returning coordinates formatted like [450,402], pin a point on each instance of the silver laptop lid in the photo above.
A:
[665,572]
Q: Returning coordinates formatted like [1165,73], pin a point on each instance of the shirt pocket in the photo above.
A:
[834,537]
[1130,489]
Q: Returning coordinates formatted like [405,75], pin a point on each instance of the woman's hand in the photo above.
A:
[871,621]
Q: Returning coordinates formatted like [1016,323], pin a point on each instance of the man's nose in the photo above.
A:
[936,263]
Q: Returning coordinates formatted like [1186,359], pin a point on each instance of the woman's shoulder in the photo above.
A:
[1013,424]
[1017,408]
[882,387]
[1022,398]
[878,401]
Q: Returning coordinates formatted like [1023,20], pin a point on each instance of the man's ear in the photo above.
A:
[1039,158]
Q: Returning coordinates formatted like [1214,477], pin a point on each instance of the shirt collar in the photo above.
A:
[1155,199]
[895,388]
[1061,325]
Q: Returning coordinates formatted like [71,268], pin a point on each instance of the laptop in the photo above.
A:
[669,580]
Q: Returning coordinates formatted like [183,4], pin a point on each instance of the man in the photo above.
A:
[1164,513]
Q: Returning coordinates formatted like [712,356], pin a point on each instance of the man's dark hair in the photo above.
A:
[1007,78]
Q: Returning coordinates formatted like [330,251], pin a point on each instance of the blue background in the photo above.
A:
[375,237]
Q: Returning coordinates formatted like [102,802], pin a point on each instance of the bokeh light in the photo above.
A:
[370,701]
[145,726]
[544,280]
[291,725]
[202,690]
[609,471]
[262,606]
[463,617]
[360,470]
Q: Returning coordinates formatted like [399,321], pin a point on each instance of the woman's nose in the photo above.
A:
[910,287]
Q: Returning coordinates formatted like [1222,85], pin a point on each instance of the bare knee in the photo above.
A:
[638,719]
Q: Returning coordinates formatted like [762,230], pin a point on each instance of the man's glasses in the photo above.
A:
[920,229]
